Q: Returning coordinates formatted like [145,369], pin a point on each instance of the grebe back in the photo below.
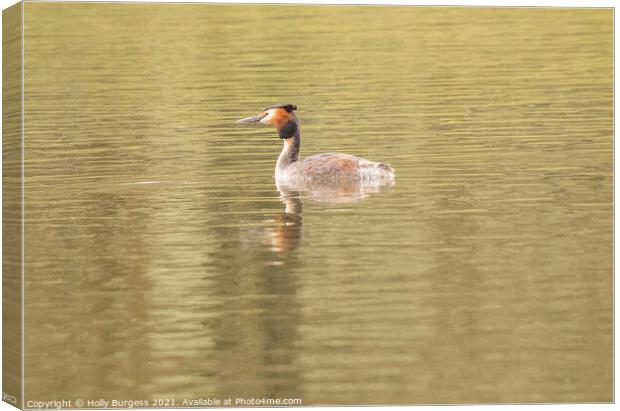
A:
[321,167]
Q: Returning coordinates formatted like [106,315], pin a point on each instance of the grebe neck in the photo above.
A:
[290,149]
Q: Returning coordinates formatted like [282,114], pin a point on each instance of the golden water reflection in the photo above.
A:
[287,230]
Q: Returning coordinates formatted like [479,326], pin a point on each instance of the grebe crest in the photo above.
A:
[328,168]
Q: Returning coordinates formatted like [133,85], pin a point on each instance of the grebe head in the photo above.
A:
[281,116]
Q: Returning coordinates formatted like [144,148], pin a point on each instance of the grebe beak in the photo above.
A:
[252,119]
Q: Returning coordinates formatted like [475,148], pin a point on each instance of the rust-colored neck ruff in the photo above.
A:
[281,117]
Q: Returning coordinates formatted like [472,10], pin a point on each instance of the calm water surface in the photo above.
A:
[163,262]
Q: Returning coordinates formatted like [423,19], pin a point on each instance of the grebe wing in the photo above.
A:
[335,165]
[330,165]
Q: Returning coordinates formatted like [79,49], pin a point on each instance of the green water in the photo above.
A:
[162,262]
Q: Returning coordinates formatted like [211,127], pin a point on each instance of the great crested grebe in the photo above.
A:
[326,167]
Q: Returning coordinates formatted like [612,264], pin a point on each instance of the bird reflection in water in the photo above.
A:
[286,231]
[270,268]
